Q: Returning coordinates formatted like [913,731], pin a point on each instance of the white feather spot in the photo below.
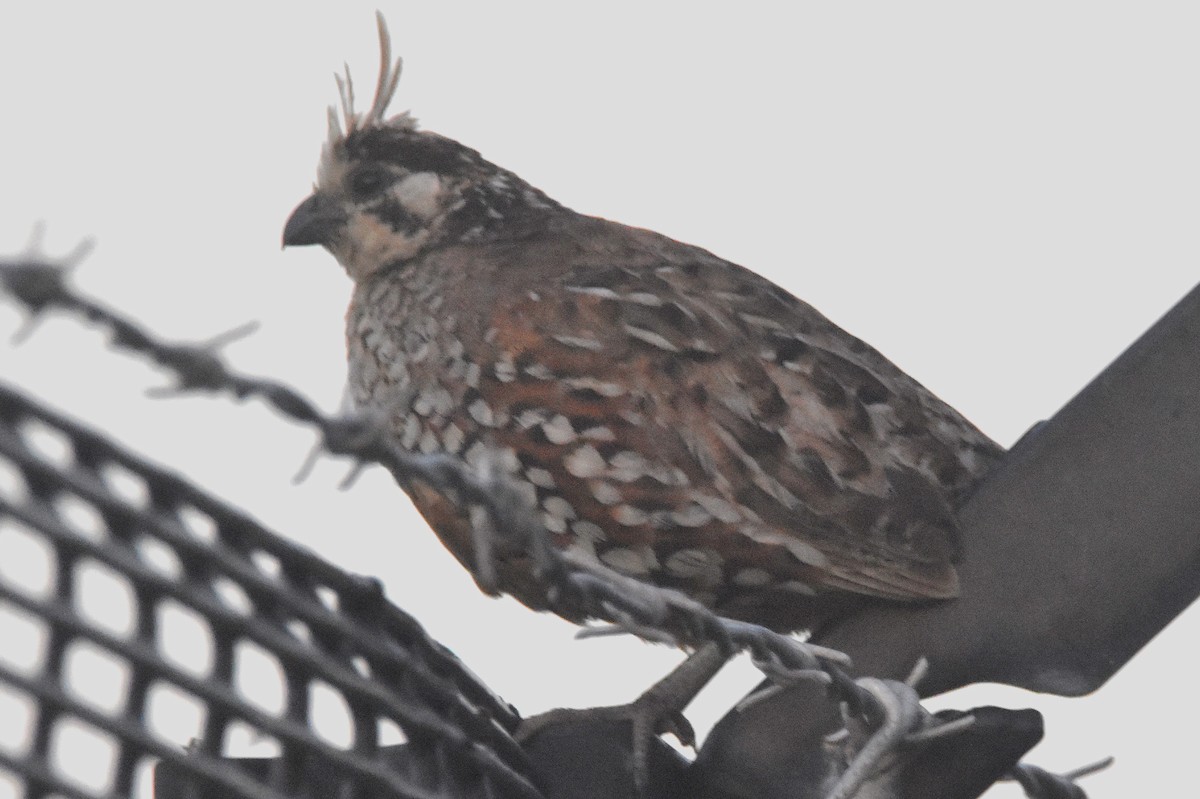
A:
[722,510]
[583,547]
[579,342]
[472,375]
[412,432]
[752,577]
[476,454]
[540,477]
[585,461]
[539,371]
[419,353]
[806,553]
[423,405]
[506,370]
[798,587]
[534,199]
[629,516]
[528,492]
[599,433]
[630,561]
[702,565]
[776,489]
[678,477]
[692,516]
[760,321]
[594,291]
[555,524]
[452,438]
[645,298]
[419,193]
[601,387]
[531,417]
[628,466]
[588,530]
[605,493]
[363,369]
[559,507]
[396,368]
[455,368]
[559,430]
[481,412]
[650,337]
[443,402]
[479,516]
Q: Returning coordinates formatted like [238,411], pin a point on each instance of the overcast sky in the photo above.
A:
[999,199]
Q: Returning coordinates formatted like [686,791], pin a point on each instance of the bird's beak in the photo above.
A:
[317,220]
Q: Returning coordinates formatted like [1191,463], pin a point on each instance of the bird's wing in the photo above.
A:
[690,422]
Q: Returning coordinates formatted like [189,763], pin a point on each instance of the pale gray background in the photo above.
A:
[998,198]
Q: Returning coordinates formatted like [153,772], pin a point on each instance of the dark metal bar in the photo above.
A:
[1084,544]
[1077,551]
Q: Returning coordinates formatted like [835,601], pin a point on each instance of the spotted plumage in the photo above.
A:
[676,416]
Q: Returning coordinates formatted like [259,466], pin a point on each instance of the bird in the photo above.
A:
[669,414]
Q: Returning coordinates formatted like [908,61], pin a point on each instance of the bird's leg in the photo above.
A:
[658,710]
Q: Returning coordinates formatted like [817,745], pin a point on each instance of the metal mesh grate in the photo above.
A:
[107,560]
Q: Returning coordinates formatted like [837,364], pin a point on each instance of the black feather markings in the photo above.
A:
[413,150]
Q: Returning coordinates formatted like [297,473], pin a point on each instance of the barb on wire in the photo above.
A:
[504,520]
[1037,783]
[902,712]
[37,283]
[904,724]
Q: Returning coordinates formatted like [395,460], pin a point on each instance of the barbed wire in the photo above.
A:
[1041,784]
[666,615]
[580,587]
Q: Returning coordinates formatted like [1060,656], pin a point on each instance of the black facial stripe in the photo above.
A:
[392,213]
[368,180]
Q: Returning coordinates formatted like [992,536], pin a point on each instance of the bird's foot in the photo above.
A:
[659,710]
[633,727]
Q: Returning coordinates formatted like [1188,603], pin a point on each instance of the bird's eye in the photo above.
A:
[368,181]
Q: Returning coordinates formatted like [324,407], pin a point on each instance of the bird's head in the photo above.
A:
[387,192]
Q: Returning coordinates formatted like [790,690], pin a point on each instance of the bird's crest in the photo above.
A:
[389,78]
